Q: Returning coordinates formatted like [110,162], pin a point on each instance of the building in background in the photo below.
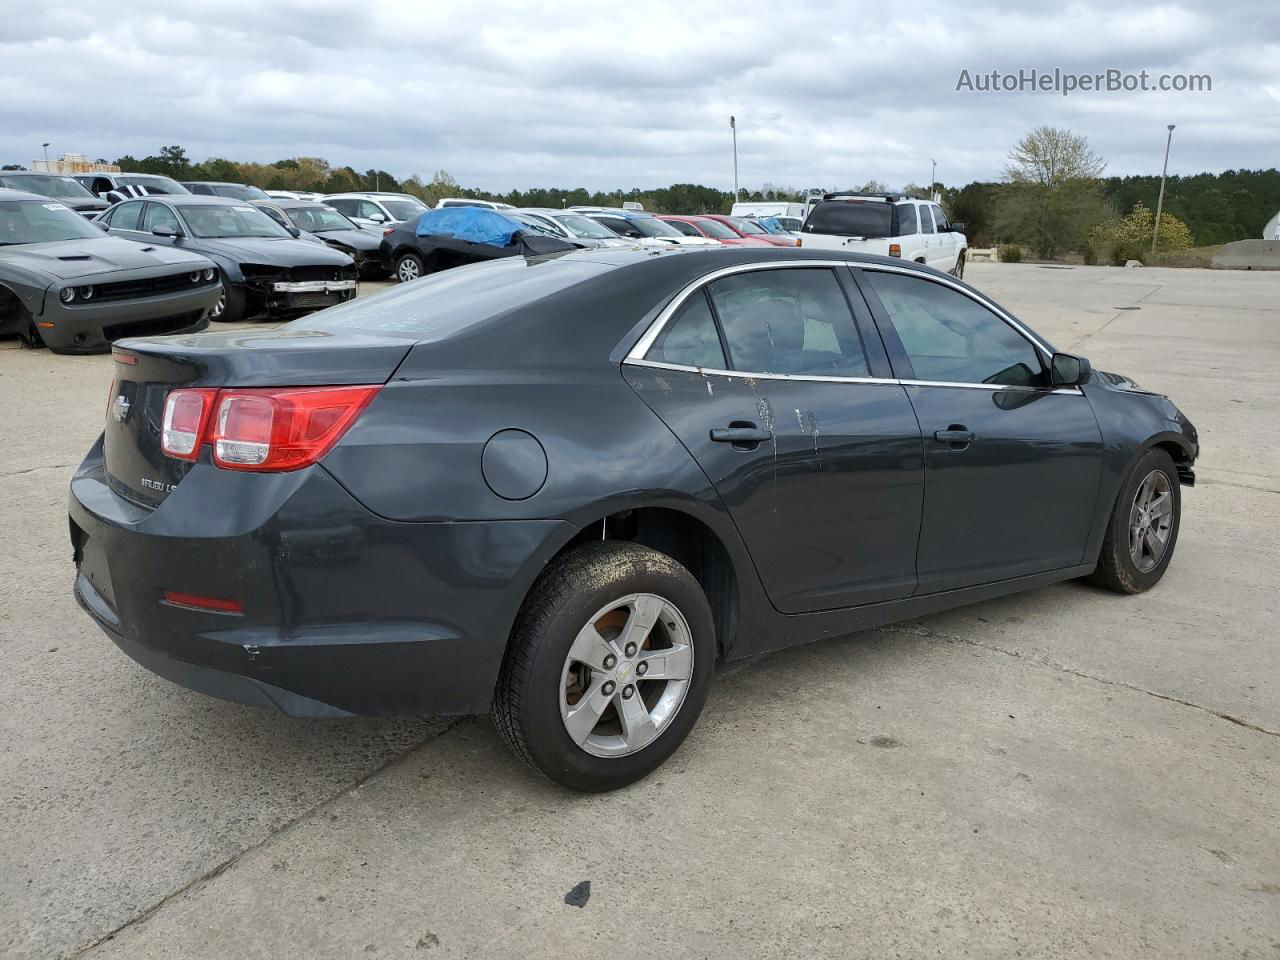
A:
[70,163]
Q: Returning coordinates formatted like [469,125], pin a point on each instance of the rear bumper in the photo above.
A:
[344,613]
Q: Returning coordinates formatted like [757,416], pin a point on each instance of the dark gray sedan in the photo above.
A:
[265,270]
[66,285]
[564,488]
[315,221]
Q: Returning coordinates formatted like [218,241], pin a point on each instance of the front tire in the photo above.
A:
[409,267]
[608,666]
[1143,528]
[958,270]
[230,306]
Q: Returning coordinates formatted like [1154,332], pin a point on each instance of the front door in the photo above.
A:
[771,385]
[1012,466]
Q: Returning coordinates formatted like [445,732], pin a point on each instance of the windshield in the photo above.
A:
[653,227]
[239,191]
[581,226]
[714,228]
[404,209]
[216,220]
[851,218]
[748,227]
[319,219]
[34,221]
[45,185]
[155,184]
[534,225]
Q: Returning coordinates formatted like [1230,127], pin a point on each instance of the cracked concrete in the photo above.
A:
[1050,774]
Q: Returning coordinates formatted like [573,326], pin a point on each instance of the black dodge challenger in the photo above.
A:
[564,488]
[65,285]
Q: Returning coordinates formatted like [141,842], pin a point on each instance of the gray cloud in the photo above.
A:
[581,93]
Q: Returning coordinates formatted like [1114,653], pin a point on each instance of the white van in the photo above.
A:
[888,224]
[790,215]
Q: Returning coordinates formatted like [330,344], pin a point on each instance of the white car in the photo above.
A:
[647,230]
[888,224]
[376,209]
[468,202]
[574,226]
[293,195]
[789,215]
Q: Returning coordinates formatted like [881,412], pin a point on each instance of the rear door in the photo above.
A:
[780,393]
[946,240]
[1012,466]
[928,237]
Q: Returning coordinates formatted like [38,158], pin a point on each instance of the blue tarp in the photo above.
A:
[472,224]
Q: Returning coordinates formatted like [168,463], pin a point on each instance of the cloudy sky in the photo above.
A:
[604,95]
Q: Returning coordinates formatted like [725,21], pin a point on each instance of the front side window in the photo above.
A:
[653,227]
[404,209]
[125,216]
[581,226]
[688,229]
[939,219]
[951,338]
[690,337]
[622,228]
[318,219]
[158,215]
[716,230]
[748,228]
[369,210]
[793,321]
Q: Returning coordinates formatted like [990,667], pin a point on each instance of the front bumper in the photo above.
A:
[91,327]
[282,297]
[343,612]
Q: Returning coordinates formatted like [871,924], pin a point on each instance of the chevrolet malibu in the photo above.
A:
[564,488]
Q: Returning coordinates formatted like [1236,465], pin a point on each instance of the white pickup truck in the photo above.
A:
[889,224]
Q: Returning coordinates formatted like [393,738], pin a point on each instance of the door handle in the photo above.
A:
[743,434]
[956,436]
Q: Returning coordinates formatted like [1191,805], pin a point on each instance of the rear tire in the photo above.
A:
[230,306]
[602,725]
[409,267]
[1142,530]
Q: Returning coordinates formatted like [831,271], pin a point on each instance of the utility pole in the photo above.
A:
[933,176]
[46,157]
[733,125]
[1155,234]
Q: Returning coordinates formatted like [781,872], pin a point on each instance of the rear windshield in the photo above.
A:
[441,304]
[851,218]
[239,191]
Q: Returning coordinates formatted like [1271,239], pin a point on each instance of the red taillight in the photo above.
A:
[267,428]
[185,414]
[388,231]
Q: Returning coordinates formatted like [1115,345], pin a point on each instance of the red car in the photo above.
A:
[752,231]
[701,226]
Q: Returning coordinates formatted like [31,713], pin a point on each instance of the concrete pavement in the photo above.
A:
[1063,773]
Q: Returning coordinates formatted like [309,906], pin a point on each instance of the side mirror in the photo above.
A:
[1068,370]
[294,232]
[377,218]
[956,227]
[162,230]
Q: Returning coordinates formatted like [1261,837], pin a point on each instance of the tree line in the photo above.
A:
[1052,198]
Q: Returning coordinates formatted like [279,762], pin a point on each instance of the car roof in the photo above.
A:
[9,193]
[216,183]
[285,203]
[193,199]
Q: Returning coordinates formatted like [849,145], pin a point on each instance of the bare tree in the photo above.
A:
[1052,156]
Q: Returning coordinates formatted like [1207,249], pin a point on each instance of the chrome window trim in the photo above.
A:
[815,378]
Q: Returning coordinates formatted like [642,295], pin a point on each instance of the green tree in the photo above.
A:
[1053,198]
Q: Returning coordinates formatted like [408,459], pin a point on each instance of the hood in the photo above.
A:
[282,252]
[75,259]
[363,240]
[694,241]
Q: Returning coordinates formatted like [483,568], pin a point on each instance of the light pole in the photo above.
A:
[46,156]
[933,176]
[733,125]
[1155,234]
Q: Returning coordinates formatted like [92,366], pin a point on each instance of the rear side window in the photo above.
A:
[951,338]
[125,216]
[851,218]
[793,321]
[926,222]
[690,338]
[907,222]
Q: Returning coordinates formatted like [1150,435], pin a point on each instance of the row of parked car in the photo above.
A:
[179,255]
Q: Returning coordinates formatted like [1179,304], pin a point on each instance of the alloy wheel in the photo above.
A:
[220,307]
[407,269]
[1151,521]
[626,675]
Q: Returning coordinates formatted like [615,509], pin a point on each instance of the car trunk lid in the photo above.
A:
[146,370]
